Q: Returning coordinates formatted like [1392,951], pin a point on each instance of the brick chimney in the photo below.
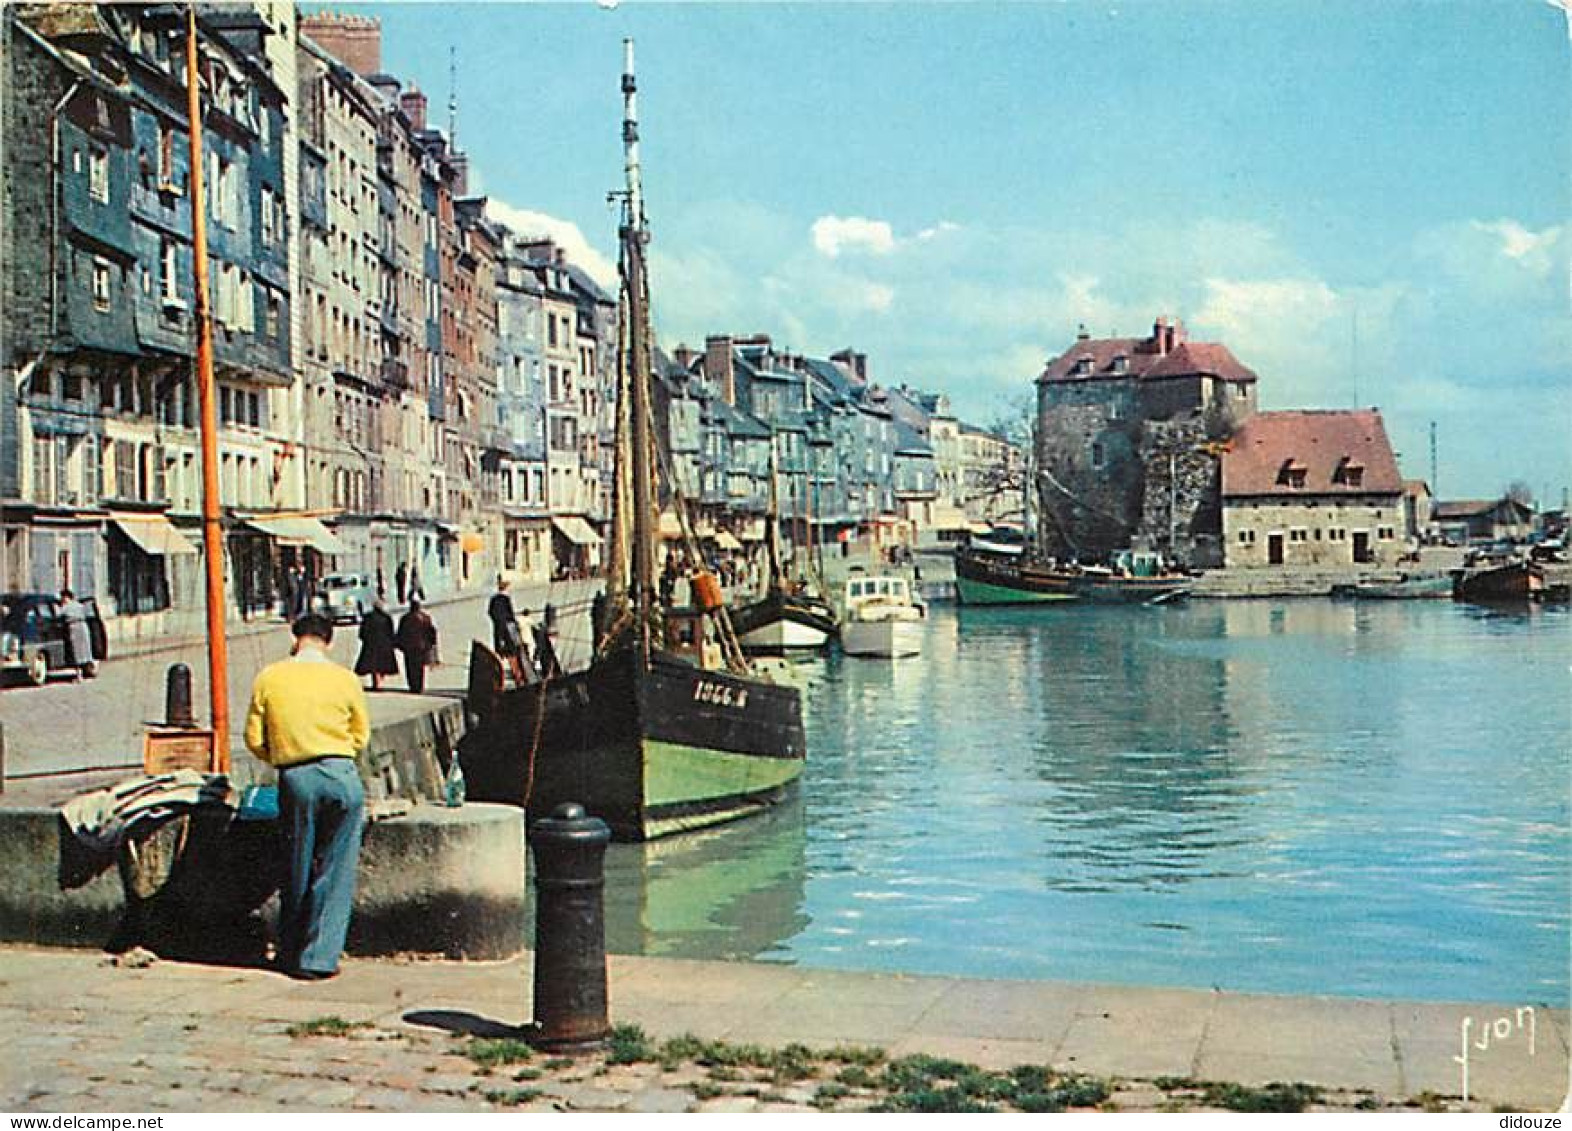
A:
[1176,335]
[355,41]
[1160,337]
[683,356]
[853,364]
[460,165]
[413,103]
[717,366]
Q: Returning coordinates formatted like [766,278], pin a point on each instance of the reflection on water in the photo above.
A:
[1310,796]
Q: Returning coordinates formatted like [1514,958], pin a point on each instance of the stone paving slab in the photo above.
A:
[1261,1039]
[90,1035]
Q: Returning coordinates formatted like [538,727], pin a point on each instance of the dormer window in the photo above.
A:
[1083,365]
[1291,474]
[1121,364]
[1348,473]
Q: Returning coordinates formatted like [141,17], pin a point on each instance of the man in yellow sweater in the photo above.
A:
[308,719]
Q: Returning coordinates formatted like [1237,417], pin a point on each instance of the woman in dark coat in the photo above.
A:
[507,640]
[417,639]
[376,646]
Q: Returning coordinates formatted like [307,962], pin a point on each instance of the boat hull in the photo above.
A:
[778,623]
[985,581]
[1411,589]
[1510,583]
[885,639]
[651,751]
[1131,590]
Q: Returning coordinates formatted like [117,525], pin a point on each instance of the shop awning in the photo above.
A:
[727,541]
[947,517]
[670,528]
[754,531]
[576,530]
[297,530]
[153,534]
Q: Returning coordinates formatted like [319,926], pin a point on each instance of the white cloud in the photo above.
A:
[942,228]
[565,233]
[834,234]
[1435,325]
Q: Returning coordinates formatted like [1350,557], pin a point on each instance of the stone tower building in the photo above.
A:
[1129,432]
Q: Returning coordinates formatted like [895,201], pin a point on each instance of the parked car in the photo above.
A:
[34,638]
[345,596]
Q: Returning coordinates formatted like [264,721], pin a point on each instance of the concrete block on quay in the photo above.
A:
[437,881]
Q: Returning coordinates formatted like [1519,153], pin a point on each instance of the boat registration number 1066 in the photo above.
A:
[719,694]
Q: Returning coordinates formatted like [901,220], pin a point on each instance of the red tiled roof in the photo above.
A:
[1185,359]
[1319,442]
[1472,508]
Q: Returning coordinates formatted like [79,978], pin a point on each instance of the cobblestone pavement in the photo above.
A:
[87,1034]
[67,724]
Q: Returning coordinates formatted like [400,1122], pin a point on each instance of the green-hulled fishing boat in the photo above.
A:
[669,727]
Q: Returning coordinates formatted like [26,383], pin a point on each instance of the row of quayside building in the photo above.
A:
[405,385]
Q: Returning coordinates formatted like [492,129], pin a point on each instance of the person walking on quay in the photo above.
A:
[308,719]
[417,639]
[79,639]
[377,658]
[505,634]
[400,577]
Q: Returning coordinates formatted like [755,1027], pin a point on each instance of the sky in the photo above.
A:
[1366,200]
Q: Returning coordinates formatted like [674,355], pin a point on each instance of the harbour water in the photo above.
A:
[1307,797]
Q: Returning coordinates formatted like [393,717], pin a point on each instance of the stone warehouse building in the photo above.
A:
[1312,490]
[1128,439]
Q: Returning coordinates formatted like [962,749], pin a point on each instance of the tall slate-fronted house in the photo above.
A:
[411,529]
[70,287]
[99,336]
[1128,440]
[478,426]
[521,414]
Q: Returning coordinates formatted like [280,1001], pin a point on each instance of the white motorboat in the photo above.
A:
[883,618]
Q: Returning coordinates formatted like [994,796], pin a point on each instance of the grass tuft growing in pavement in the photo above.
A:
[331,1026]
[512,1097]
[630,1045]
[494,1052]
[1273,1097]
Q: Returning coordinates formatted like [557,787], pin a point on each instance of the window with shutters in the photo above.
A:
[125,469]
[101,284]
[98,174]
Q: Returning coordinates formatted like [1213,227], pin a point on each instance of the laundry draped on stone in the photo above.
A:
[103,819]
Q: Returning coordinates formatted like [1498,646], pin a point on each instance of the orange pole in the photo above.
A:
[212,525]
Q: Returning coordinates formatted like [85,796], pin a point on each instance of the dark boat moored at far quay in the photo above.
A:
[1001,579]
[1401,589]
[1112,588]
[1508,583]
[1014,579]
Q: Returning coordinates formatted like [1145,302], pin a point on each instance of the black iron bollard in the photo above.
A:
[177,697]
[570,930]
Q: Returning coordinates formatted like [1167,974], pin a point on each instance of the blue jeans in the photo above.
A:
[322,809]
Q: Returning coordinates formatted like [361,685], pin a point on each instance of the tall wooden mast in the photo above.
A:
[212,525]
[637,359]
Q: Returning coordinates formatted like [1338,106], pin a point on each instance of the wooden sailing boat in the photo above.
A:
[787,617]
[666,729]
